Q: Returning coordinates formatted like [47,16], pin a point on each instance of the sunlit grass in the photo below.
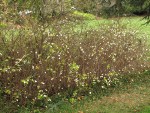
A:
[134,22]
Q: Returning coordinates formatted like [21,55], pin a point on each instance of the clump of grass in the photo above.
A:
[145,110]
[3,25]
[41,61]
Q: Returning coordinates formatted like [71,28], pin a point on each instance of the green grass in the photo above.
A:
[134,22]
[146,109]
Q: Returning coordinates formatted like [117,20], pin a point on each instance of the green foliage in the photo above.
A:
[85,16]
[2,25]
[120,8]
[86,6]
[74,67]
[129,7]
[135,5]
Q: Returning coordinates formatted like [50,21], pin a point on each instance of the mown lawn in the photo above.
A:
[134,22]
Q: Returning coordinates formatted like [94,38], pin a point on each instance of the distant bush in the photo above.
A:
[85,16]
[38,62]
[138,7]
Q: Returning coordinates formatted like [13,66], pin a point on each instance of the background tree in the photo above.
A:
[108,8]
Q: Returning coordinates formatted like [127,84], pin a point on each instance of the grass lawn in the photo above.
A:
[134,22]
